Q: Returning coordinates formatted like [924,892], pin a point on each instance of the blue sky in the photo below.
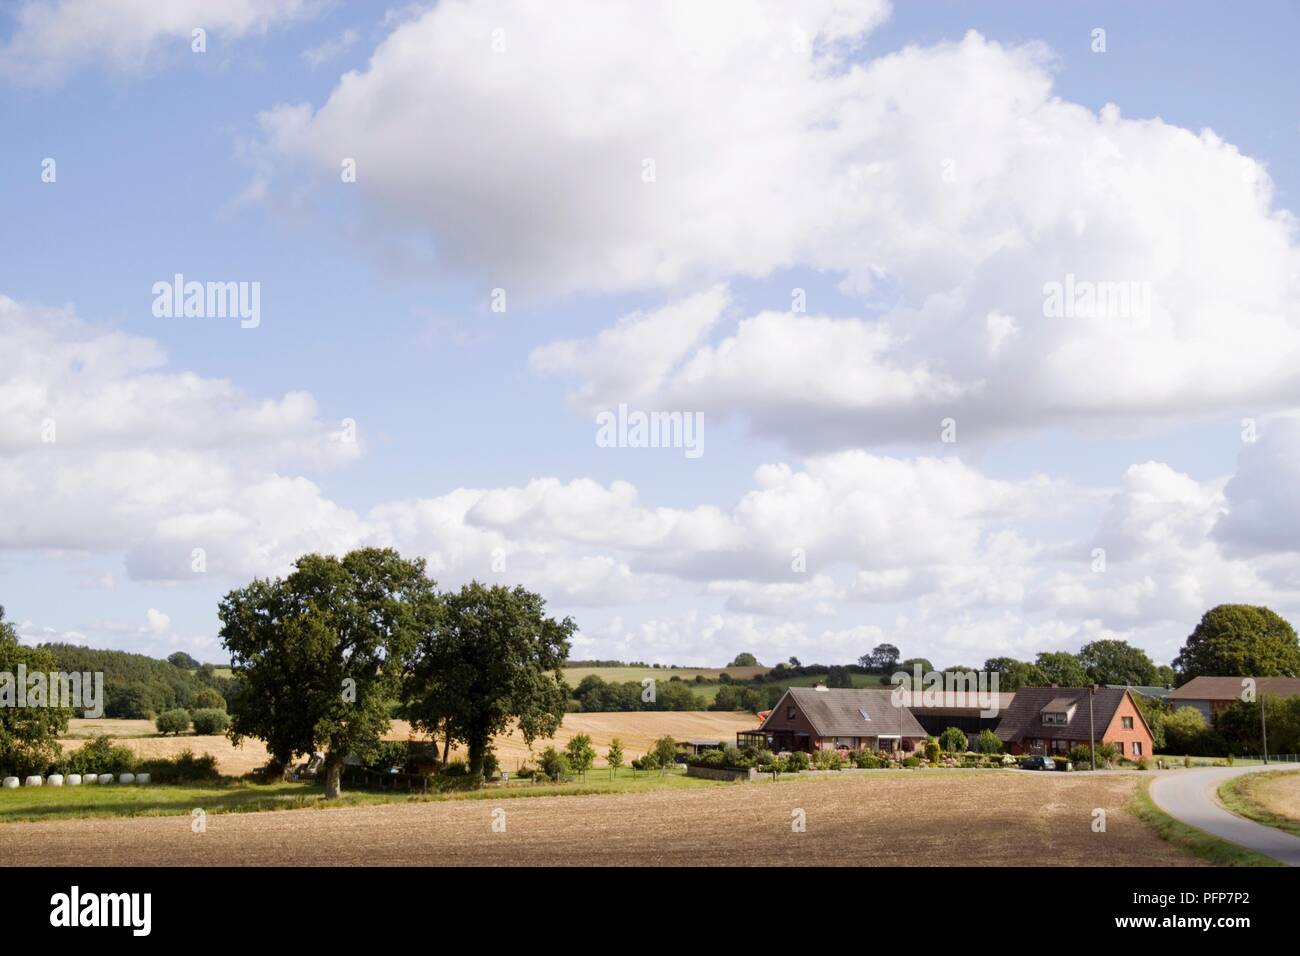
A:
[375,302]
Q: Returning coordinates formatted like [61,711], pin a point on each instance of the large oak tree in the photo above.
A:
[319,653]
[493,657]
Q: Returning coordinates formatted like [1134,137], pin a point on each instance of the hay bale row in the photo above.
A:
[75,780]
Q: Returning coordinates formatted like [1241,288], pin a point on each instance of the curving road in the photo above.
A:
[1189,796]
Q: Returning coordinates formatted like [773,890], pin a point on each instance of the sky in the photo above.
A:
[987,315]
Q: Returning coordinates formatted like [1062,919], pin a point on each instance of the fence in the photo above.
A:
[1272,758]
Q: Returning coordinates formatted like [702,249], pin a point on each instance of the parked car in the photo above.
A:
[1037,762]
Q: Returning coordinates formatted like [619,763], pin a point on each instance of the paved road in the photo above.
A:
[1188,795]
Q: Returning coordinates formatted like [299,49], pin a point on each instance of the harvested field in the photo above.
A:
[928,818]
[637,730]
[1278,794]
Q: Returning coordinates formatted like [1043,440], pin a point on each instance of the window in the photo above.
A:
[1137,748]
[1055,719]
[1119,745]
[789,713]
[1126,723]
[863,712]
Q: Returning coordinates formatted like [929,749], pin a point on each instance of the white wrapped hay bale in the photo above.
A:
[33,782]
[126,778]
[89,778]
[11,783]
[141,778]
[55,780]
[74,780]
[105,778]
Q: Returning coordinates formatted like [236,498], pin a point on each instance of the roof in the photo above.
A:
[839,712]
[1058,704]
[1001,701]
[1159,693]
[1024,719]
[1229,688]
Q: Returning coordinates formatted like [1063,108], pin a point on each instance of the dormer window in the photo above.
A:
[1055,718]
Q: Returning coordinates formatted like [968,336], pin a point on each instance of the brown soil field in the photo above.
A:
[1280,795]
[637,730]
[927,818]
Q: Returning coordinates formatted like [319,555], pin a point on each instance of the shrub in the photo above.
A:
[455,768]
[932,750]
[1062,763]
[553,763]
[175,721]
[100,755]
[491,766]
[988,742]
[386,755]
[183,768]
[911,762]
[797,761]
[1081,756]
[210,721]
[953,741]
[1144,764]
[828,760]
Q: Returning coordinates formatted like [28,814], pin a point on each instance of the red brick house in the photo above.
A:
[1052,720]
[821,718]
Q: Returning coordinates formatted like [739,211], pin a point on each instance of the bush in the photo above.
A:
[455,768]
[828,760]
[101,756]
[797,762]
[953,741]
[491,766]
[988,742]
[1081,756]
[183,768]
[1062,763]
[553,763]
[932,750]
[911,762]
[387,755]
[866,760]
[175,721]
[210,721]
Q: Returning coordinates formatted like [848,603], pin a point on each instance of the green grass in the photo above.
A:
[622,675]
[239,796]
[1239,797]
[1191,840]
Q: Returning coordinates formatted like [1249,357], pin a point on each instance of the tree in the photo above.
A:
[319,653]
[1117,662]
[912,663]
[794,661]
[553,763]
[988,742]
[1014,674]
[883,657]
[1062,669]
[581,754]
[745,660]
[183,661]
[1185,731]
[208,699]
[614,757]
[29,735]
[1238,640]
[838,676]
[954,741]
[174,721]
[664,752]
[492,657]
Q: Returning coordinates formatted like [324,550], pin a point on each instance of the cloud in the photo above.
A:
[1261,513]
[50,40]
[158,621]
[946,186]
[331,49]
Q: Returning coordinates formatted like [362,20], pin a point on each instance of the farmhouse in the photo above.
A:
[821,718]
[1051,720]
[1213,695]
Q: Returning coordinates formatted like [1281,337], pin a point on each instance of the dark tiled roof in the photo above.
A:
[1001,701]
[1229,688]
[838,712]
[1024,718]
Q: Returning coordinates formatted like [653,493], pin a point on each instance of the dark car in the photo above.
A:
[1038,762]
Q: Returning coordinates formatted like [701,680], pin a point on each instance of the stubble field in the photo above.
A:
[928,818]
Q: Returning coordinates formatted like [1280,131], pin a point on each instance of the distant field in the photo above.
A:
[622,675]
[638,731]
